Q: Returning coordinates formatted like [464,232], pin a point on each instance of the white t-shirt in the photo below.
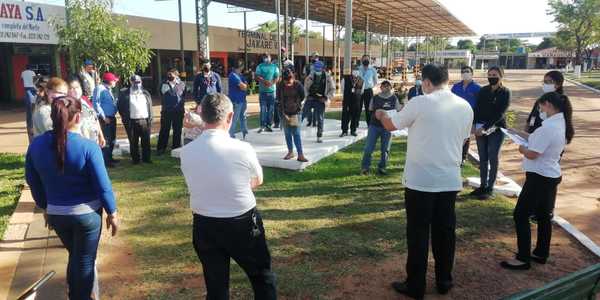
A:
[27,76]
[218,171]
[549,141]
[438,125]
[138,105]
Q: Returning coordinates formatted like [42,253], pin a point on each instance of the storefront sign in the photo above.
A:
[259,40]
[25,22]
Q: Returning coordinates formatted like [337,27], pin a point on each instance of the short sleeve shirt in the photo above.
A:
[267,71]
[236,94]
[549,141]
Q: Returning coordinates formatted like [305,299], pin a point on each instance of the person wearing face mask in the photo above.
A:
[69,182]
[206,82]
[105,105]
[89,126]
[416,90]
[267,74]
[438,124]
[290,94]
[238,87]
[385,100]
[490,114]
[319,90]
[553,82]
[135,108]
[88,78]
[314,57]
[467,89]
[351,107]
[41,119]
[370,79]
[172,110]
[541,163]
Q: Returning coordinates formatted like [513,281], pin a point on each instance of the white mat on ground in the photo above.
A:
[271,148]
[504,185]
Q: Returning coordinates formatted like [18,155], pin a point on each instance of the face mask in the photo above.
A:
[205,68]
[170,78]
[543,115]
[548,88]
[418,82]
[355,73]
[467,76]
[365,62]
[493,80]
[266,60]
[287,75]
[318,73]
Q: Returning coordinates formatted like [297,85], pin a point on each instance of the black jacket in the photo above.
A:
[123,105]
[492,106]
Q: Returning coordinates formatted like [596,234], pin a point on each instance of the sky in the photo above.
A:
[483,16]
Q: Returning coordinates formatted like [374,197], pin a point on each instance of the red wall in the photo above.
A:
[19,62]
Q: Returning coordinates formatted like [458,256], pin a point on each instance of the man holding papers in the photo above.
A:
[439,122]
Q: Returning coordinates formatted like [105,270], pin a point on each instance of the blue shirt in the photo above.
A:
[268,71]
[369,76]
[84,179]
[469,93]
[104,102]
[236,94]
[204,85]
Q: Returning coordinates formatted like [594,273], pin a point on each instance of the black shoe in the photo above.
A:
[512,266]
[308,124]
[344,134]
[382,172]
[115,161]
[353,134]
[268,129]
[487,194]
[364,172]
[260,130]
[402,288]
[276,126]
[538,260]
[476,192]
[444,287]
[314,125]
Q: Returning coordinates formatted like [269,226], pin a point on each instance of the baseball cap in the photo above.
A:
[88,62]
[315,53]
[108,76]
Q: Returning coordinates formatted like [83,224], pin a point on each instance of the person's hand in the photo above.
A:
[101,141]
[479,132]
[46,224]
[112,223]
[380,114]
[106,120]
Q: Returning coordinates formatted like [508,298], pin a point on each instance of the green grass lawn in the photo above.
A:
[588,78]
[11,182]
[322,223]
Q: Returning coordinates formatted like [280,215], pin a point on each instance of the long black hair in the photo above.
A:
[563,104]
[63,111]
[558,79]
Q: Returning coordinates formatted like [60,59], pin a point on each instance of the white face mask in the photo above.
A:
[543,115]
[418,82]
[548,88]
[467,76]
[355,73]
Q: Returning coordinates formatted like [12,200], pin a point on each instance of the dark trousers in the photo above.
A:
[465,150]
[138,129]
[216,240]
[537,198]
[424,211]
[366,101]
[109,130]
[168,119]
[319,114]
[80,234]
[351,110]
[488,148]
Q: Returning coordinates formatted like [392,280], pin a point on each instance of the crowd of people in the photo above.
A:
[73,131]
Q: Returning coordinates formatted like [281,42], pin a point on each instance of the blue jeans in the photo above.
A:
[373,134]
[319,115]
[239,114]
[30,94]
[488,148]
[80,234]
[293,133]
[267,106]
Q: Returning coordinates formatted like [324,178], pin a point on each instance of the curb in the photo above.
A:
[585,86]
[564,224]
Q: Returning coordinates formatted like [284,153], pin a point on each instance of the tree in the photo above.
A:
[578,25]
[466,45]
[500,45]
[546,43]
[93,32]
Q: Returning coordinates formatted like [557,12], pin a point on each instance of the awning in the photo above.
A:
[418,17]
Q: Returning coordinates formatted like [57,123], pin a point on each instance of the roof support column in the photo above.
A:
[348,47]
[405,46]
[417,58]
[278,13]
[306,37]
[286,31]
[388,54]
[367,52]
[202,28]
[335,13]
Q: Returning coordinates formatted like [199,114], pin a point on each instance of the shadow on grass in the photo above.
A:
[11,183]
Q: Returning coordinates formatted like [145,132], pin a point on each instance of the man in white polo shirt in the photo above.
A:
[439,122]
[221,173]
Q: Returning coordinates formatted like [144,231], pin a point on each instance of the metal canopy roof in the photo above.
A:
[419,17]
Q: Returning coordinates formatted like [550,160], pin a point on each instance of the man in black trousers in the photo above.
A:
[351,104]
[135,108]
[171,112]
[439,122]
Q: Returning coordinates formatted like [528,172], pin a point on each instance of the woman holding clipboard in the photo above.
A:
[541,163]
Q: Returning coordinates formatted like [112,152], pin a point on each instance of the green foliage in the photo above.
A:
[93,32]
[466,45]
[11,182]
[546,43]
[500,45]
[578,24]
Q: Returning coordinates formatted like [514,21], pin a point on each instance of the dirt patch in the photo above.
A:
[477,274]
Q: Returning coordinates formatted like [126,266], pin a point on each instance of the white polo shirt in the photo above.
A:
[138,105]
[27,76]
[549,141]
[218,171]
[438,124]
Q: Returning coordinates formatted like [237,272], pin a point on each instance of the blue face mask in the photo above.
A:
[418,82]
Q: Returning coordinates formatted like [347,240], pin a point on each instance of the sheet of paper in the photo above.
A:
[515,138]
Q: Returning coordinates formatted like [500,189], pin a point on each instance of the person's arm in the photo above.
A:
[301,93]
[500,110]
[371,106]
[403,119]
[538,143]
[529,154]
[218,83]
[35,182]
[275,75]
[98,103]
[375,78]
[398,104]
[196,85]
[256,173]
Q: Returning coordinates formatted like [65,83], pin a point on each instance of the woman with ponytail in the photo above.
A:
[541,163]
[553,82]
[55,87]
[68,180]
